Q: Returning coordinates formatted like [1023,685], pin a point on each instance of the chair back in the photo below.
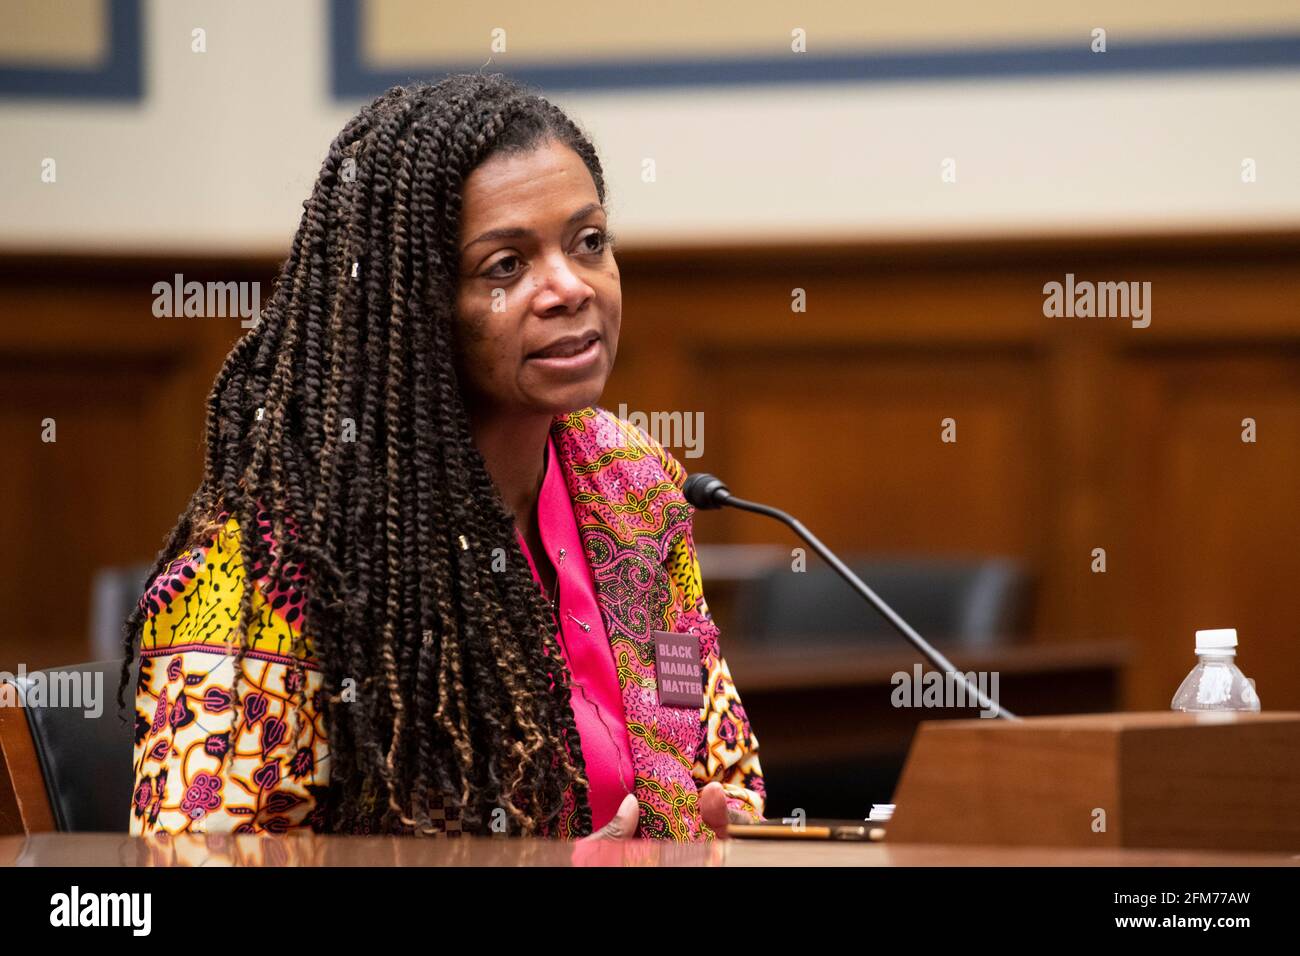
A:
[972,603]
[67,751]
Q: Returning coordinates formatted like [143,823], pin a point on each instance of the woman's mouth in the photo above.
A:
[571,356]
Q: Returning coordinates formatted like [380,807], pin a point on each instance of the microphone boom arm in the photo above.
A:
[903,628]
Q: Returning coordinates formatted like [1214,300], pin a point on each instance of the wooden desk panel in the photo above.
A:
[307,849]
[832,743]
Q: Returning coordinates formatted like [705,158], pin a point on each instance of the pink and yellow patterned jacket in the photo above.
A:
[635,525]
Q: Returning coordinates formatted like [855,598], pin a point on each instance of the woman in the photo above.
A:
[466,574]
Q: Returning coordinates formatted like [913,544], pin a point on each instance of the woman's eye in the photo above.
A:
[593,243]
[493,273]
[602,238]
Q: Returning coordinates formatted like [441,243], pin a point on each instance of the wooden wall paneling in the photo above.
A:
[1085,417]
[127,391]
[854,446]
[1216,546]
[1073,433]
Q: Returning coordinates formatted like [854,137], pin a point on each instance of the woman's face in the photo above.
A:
[539,303]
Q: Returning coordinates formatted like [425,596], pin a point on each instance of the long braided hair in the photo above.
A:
[452,662]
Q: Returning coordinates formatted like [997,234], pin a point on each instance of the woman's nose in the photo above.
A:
[563,285]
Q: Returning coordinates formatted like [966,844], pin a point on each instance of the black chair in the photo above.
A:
[113,593]
[63,769]
[972,603]
[954,603]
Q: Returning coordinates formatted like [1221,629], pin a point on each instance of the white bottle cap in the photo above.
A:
[1219,639]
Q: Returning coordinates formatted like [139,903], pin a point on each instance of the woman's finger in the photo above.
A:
[624,823]
[714,809]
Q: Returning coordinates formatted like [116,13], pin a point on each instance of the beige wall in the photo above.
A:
[223,150]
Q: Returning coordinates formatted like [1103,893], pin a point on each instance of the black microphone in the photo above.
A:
[707,492]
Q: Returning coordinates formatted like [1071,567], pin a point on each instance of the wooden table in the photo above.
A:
[307,849]
[832,743]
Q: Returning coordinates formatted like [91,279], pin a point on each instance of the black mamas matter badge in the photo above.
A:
[678,670]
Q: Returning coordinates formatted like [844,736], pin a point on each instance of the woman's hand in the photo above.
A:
[611,844]
[713,810]
[623,826]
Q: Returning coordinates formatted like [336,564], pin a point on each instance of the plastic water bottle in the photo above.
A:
[1216,682]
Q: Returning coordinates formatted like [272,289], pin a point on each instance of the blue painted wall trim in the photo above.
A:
[350,78]
[121,77]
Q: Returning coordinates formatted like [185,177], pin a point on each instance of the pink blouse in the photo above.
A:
[597,701]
